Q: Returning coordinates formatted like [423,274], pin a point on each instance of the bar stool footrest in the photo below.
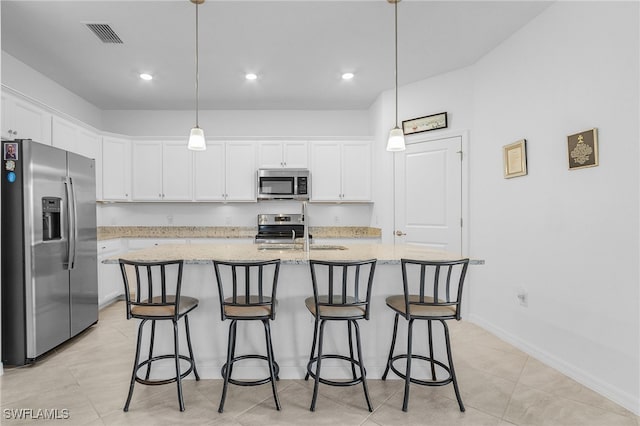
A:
[353,382]
[418,381]
[155,382]
[276,369]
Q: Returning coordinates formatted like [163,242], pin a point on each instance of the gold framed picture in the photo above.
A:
[515,159]
[582,149]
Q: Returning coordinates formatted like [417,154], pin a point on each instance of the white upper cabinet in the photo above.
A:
[74,138]
[226,171]
[116,169]
[279,154]
[240,171]
[23,120]
[341,171]
[177,171]
[162,171]
[146,171]
[208,173]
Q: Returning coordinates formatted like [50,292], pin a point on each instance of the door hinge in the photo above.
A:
[461,154]
[460,222]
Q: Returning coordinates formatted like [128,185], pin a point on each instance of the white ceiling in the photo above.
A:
[298,48]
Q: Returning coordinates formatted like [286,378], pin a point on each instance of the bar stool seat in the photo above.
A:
[253,288]
[432,292]
[345,298]
[157,299]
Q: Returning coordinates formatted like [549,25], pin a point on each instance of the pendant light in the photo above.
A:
[196,137]
[396,135]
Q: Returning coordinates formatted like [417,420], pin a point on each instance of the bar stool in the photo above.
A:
[438,301]
[253,298]
[345,298]
[157,300]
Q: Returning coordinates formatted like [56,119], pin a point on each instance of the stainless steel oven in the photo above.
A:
[283,184]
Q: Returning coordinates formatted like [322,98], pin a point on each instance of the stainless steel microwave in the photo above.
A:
[283,184]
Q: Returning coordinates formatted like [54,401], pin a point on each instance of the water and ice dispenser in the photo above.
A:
[51,218]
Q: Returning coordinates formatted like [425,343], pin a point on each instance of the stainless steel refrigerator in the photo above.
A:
[49,252]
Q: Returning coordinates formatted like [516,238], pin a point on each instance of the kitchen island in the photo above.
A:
[292,330]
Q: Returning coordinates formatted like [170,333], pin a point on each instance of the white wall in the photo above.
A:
[570,238]
[252,123]
[25,80]
[450,92]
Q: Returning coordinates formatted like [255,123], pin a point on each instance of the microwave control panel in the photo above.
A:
[302,185]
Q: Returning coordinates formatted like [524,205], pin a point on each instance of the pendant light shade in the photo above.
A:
[196,137]
[396,135]
[396,140]
[196,140]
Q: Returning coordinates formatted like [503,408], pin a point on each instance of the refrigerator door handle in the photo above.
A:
[70,222]
[74,226]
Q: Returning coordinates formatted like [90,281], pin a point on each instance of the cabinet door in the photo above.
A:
[177,171]
[23,120]
[110,284]
[356,171]
[295,155]
[241,171]
[325,171]
[270,155]
[116,169]
[208,173]
[64,135]
[146,176]
[89,144]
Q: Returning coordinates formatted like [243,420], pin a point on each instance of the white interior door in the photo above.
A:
[428,188]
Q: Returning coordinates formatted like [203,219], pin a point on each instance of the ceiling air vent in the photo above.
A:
[105,33]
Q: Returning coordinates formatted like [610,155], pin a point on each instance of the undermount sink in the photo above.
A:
[299,247]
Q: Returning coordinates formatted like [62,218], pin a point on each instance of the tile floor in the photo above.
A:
[500,386]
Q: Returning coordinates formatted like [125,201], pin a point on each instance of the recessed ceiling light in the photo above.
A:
[146,77]
[251,76]
[347,76]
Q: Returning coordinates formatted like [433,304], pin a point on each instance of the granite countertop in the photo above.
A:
[203,253]
[113,232]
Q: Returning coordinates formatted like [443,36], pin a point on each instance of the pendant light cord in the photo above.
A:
[396,70]
[197,67]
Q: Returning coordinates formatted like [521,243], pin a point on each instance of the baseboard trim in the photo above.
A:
[624,399]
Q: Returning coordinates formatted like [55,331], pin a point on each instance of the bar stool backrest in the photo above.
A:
[434,283]
[152,284]
[342,284]
[247,284]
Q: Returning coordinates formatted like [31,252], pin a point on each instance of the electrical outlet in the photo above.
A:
[227,220]
[170,219]
[523,297]
[336,220]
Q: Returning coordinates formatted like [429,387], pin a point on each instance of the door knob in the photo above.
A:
[400,233]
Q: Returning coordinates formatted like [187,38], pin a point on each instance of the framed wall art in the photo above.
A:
[424,124]
[515,159]
[582,149]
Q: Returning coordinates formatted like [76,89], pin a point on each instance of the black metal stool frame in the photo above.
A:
[337,297]
[428,302]
[245,299]
[172,303]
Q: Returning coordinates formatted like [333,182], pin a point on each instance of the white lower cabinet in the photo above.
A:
[110,285]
